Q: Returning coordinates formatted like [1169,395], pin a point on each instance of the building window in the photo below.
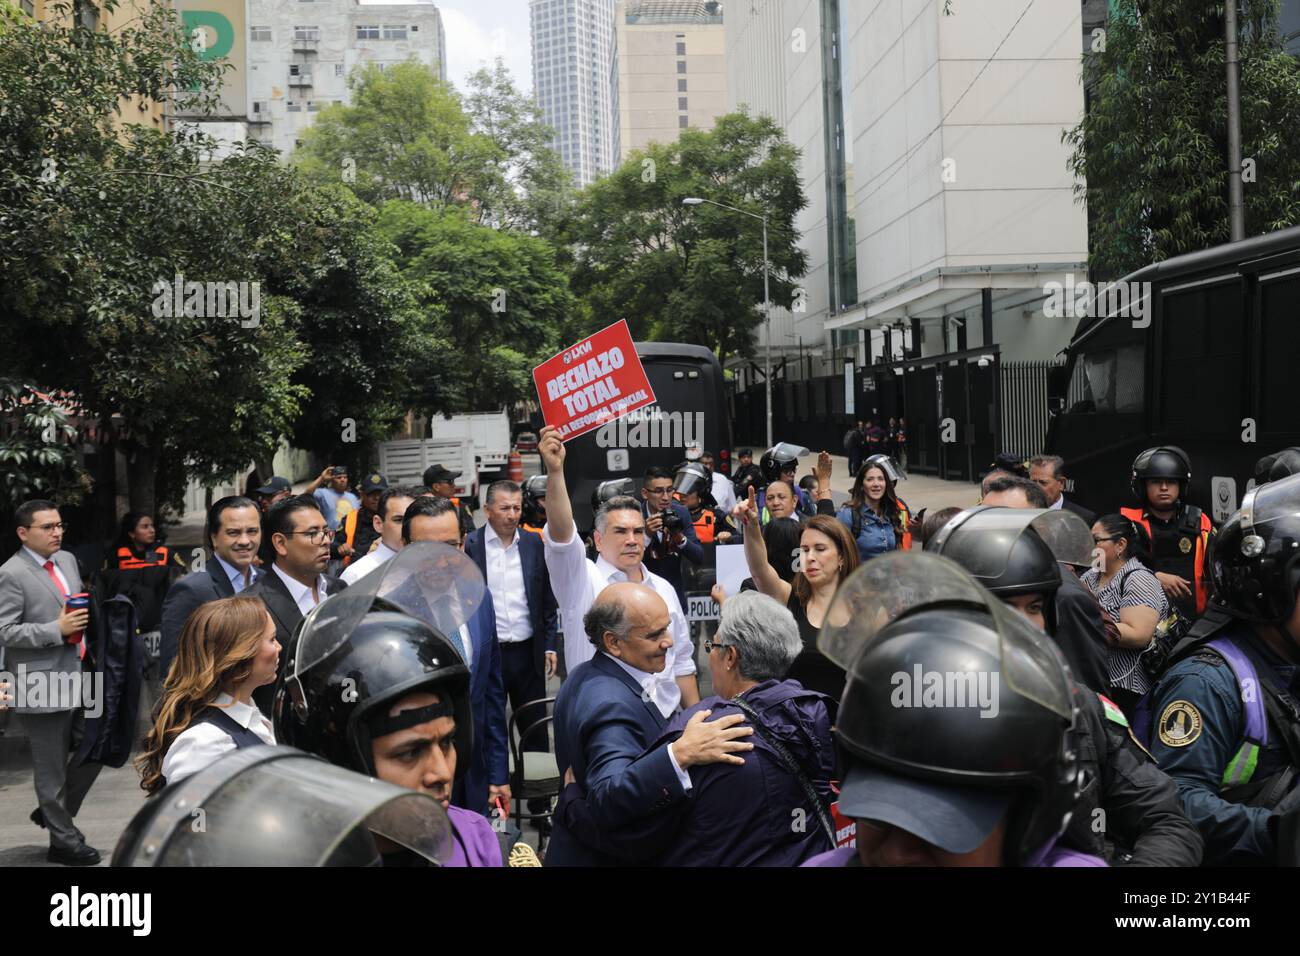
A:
[682,122]
[261,107]
[681,86]
[293,107]
[259,34]
[681,102]
[338,69]
[394,31]
[368,31]
[681,48]
[306,33]
[313,106]
[681,66]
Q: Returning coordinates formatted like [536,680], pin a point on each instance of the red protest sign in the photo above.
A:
[593,382]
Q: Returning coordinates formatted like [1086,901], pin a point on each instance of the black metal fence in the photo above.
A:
[1024,406]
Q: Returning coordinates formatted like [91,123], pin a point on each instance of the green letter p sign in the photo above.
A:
[198,23]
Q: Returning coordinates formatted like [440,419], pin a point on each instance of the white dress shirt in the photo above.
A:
[576,582]
[1059,503]
[202,744]
[363,565]
[235,575]
[505,579]
[41,561]
[724,492]
[301,593]
[467,646]
[651,689]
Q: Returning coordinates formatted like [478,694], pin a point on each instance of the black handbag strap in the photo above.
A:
[790,764]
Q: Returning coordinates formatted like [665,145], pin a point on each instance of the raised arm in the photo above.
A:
[765,579]
[559,511]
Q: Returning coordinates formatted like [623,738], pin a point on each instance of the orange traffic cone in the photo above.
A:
[516,466]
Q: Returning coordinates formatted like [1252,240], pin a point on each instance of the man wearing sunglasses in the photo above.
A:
[296,582]
[41,640]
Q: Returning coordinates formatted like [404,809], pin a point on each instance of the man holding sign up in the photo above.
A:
[620,541]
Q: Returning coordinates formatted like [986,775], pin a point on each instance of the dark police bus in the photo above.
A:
[1211,366]
[689,417]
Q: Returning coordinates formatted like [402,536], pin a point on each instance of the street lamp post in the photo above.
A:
[767,301]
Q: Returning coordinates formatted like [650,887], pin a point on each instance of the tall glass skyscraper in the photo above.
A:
[575,79]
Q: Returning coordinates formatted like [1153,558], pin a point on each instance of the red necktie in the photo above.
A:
[49,569]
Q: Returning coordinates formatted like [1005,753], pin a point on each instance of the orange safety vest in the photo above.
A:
[127,561]
[350,532]
[906,519]
[704,527]
[1201,585]
[528,527]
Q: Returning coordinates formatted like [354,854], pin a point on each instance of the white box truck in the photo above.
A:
[488,432]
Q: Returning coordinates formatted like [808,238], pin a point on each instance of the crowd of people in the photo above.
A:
[1017,683]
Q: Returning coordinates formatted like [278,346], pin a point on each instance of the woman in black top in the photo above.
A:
[827,555]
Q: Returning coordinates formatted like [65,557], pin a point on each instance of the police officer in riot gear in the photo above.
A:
[779,463]
[1223,720]
[375,685]
[1178,534]
[534,501]
[956,724]
[1126,799]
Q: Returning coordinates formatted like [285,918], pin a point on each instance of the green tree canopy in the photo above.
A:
[693,274]
[1150,155]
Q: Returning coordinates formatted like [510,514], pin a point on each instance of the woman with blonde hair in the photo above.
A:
[226,650]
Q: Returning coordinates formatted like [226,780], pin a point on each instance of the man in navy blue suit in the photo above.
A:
[488,777]
[665,549]
[234,532]
[607,714]
[513,562]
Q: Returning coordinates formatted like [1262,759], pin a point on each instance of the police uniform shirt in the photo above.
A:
[576,581]
[1198,726]
[202,744]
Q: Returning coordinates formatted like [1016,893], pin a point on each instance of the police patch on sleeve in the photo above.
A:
[1180,724]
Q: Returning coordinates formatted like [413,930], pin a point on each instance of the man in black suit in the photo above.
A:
[234,533]
[513,563]
[296,581]
[1048,473]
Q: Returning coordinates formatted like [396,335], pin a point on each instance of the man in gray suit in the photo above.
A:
[35,628]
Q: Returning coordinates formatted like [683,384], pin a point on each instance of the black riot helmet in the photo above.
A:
[613,488]
[956,714]
[1000,548]
[346,697]
[1255,558]
[779,459]
[1163,461]
[1277,465]
[363,649]
[692,477]
[534,490]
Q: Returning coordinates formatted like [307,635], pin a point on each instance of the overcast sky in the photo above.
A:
[478,31]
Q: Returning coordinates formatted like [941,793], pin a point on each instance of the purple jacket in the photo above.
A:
[474,842]
[751,815]
[1058,856]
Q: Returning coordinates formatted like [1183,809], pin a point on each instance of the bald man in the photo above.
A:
[608,713]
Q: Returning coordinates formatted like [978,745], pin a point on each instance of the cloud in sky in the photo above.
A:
[479,31]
